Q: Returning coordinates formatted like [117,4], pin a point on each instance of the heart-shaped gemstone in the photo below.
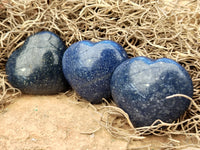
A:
[88,67]
[36,67]
[140,86]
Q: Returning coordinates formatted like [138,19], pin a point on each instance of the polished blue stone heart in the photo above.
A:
[88,67]
[140,86]
[36,67]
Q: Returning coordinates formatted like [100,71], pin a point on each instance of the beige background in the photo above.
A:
[57,123]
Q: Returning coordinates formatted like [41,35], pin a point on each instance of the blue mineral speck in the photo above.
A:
[140,86]
[36,67]
[88,67]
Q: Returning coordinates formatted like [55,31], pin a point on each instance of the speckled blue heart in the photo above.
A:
[140,86]
[36,67]
[88,67]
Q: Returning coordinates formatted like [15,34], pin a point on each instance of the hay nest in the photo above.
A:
[149,28]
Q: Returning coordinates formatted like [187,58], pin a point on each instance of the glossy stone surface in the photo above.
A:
[36,67]
[140,86]
[88,67]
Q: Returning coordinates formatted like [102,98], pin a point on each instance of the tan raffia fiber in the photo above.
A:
[149,28]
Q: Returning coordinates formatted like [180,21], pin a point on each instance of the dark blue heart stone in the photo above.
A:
[36,67]
[88,67]
[140,87]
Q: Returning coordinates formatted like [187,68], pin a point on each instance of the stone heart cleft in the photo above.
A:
[140,86]
[88,67]
[36,67]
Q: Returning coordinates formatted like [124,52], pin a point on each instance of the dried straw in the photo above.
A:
[149,28]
